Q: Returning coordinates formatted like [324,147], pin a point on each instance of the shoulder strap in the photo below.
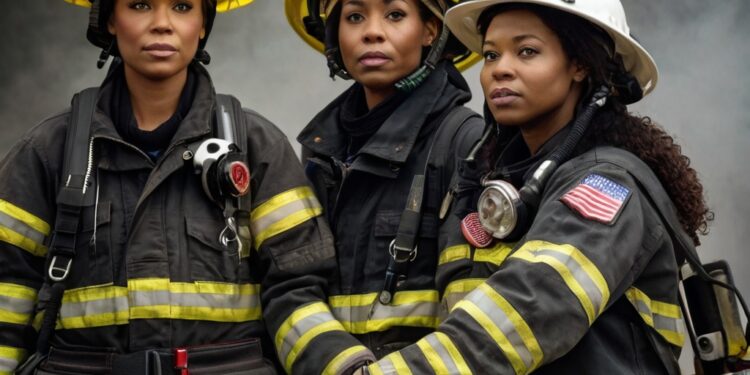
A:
[231,121]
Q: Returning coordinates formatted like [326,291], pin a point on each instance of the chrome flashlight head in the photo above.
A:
[500,208]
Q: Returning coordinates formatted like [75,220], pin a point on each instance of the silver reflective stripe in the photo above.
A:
[299,329]
[588,285]
[503,323]
[380,311]
[8,365]
[387,366]
[16,305]
[95,307]
[667,323]
[21,228]
[452,299]
[260,224]
[164,297]
[443,353]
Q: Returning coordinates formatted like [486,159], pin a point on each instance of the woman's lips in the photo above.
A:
[373,59]
[161,50]
[503,96]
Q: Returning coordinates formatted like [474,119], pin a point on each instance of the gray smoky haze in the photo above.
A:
[702,96]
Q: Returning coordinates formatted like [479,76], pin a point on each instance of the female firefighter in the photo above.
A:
[586,207]
[381,157]
[152,252]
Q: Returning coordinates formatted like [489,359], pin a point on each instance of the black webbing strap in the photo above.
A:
[403,248]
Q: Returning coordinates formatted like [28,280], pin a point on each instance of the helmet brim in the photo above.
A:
[462,19]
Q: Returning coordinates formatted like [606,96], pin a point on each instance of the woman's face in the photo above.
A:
[381,41]
[157,39]
[527,79]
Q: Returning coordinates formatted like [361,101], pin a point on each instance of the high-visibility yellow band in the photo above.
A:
[400,364]
[495,333]
[303,341]
[453,352]
[14,317]
[221,5]
[379,325]
[296,316]
[25,217]
[400,298]
[519,324]
[433,358]
[374,369]
[454,253]
[335,366]
[457,290]
[283,212]
[196,313]
[13,238]
[17,291]
[10,358]
[494,255]
[665,318]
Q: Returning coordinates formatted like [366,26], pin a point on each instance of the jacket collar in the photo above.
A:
[393,141]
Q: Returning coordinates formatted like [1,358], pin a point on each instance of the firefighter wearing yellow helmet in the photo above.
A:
[577,210]
[145,229]
[381,158]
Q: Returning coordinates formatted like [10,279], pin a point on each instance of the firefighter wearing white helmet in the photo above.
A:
[381,158]
[146,229]
[578,211]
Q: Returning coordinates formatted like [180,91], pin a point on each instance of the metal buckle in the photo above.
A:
[53,268]
[392,249]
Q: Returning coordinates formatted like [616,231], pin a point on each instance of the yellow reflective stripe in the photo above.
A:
[10,358]
[519,324]
[16,303]
[454,253]
[457,290]
[374,369]
[458,359]
[494,255]
[301,344]
[495,333]
[665,318]
[432,357]
[361,313]
[283,212]
[336,365]
[533,251]
[25,217]
[13,238]
[296,316]
[391,364]
[400,364]
[107,305]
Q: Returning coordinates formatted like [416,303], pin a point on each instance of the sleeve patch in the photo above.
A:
[597,198]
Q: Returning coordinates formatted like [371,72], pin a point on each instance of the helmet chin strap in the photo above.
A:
[413,80]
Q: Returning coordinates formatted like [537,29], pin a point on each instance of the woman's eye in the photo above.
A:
[139,5]
[527,52]
[354,17]
[490,56]
[183,7]
[395,16]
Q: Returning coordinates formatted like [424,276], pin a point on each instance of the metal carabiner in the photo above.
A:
[229,234]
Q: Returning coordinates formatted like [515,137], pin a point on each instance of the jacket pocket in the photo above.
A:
[209,259]
[94,245]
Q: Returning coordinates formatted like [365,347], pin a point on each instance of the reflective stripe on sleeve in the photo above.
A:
[107,305]
[454,253]
[442,354]
[391,364]
[494,255]
[665,318]
[457,290]
[16,303]
[506,327]
[22,229]
[10,358]
[344,360]
[300,328]
[283,212]
[580,275]
[360,313]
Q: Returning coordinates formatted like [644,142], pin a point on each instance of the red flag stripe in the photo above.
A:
[585,204]
[599,196]
[604,208]
[579,206]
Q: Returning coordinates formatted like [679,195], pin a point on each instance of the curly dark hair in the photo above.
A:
[591,47]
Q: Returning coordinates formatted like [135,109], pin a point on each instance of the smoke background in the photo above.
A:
[701,49]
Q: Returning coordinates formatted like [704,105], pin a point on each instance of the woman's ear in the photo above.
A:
[580,72]
[111,25]
[432,27]
[203,33]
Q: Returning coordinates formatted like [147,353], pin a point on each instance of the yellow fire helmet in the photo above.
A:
[311,28]
[98,35]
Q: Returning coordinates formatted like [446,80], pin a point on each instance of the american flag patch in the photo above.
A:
[597,198]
